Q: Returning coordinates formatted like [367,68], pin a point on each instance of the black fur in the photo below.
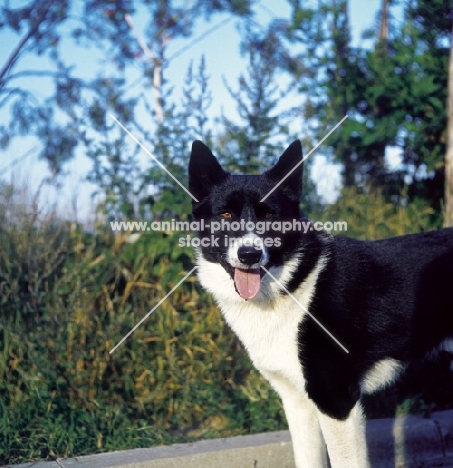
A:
[386,299]
[218,191]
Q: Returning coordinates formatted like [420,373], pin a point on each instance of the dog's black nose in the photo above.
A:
[249,255]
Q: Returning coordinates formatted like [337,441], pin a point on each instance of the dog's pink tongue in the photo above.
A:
[247,282]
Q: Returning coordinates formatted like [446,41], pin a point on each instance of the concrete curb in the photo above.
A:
[409,442]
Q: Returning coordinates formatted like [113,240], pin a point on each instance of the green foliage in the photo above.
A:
[370,216]
[255,143]
[69,106]
[67,298]
[394,93]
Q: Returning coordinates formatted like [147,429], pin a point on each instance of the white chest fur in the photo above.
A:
[268,324]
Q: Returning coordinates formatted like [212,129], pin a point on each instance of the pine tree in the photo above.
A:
[394,94]
[254,142]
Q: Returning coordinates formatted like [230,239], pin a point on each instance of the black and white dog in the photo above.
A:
[387,302]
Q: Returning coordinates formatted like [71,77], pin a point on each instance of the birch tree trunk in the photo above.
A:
[448,215]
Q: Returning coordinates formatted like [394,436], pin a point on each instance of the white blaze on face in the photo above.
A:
[247,279]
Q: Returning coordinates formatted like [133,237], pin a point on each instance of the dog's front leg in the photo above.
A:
[302,416]
[346,441]
[308,443]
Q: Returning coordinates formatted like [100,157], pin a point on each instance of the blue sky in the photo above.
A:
[221,51]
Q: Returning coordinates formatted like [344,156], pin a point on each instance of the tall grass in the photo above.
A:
[67,297]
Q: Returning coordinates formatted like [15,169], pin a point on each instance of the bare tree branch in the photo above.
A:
[31,32]
[36,73]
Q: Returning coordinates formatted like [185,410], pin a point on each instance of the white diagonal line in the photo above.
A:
[154,308]
[304,309]
[148,152]
[303,159]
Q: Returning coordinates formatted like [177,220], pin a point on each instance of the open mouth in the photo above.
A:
[247,282]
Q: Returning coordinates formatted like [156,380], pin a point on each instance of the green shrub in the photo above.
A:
[68,297]
[371,216]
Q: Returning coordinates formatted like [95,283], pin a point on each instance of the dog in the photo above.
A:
[325,319]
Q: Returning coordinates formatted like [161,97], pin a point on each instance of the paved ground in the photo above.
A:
[409,442]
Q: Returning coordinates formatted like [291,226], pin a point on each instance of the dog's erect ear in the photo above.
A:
[204,171]
[290,162]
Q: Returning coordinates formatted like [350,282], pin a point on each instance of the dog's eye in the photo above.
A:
[226,215]
[268,215]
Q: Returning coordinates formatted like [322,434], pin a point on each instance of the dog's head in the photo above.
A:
[244,215]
